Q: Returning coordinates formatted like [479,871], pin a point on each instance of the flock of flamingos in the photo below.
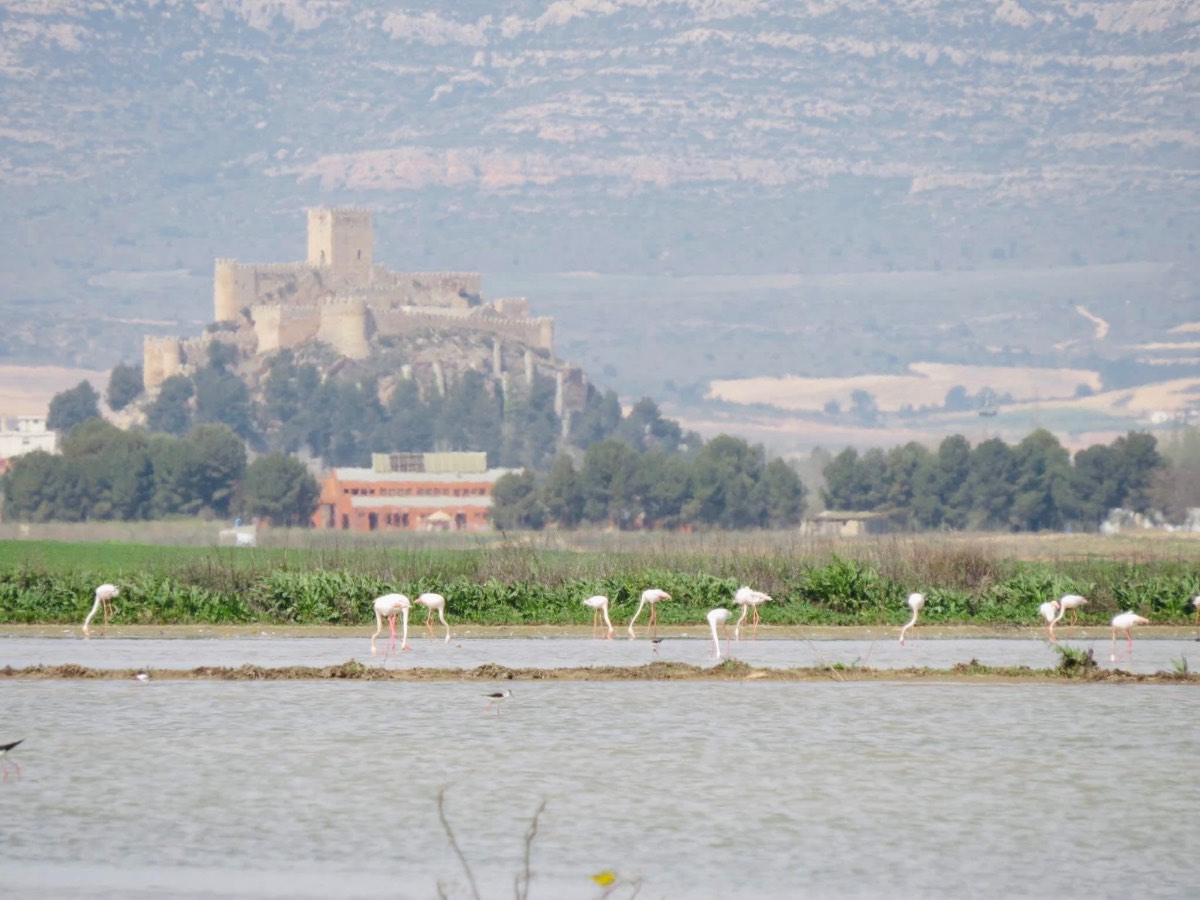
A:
[391,606]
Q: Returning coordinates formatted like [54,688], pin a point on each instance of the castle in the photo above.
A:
[341,297]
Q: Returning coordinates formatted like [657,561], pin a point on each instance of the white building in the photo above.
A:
[30,434]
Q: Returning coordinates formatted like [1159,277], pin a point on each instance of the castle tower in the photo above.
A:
[233,289]
[162,357]
[340,240]
[344,326]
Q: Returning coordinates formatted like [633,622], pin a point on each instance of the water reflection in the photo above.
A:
[706,790]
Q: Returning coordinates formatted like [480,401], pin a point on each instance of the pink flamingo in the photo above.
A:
[1052,611]
[748,599]
[5,762]
[651,596]
[433,602]
[719,616]
[1071,602]
[915,603]
[389,606]
[599,605]
[104,597]
[1124,622]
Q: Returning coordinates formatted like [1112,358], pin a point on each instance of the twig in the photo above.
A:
[441,803]
[821,661]
[521,883]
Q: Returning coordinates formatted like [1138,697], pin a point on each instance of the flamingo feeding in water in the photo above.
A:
[1052,611]
[495,699]
[433,602]
[5,762]
[915,603]
[651,596]
[389,606]
[104,597]
[719,616]
[1124,622]
[748,599]
[599,606]
[1071,602]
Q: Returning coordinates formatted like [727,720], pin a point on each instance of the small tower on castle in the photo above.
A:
[340,240]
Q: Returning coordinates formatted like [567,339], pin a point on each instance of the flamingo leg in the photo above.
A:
[653,620]
[737,626]
[755,634]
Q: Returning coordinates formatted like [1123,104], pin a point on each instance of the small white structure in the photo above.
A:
[238,536]
[29,434]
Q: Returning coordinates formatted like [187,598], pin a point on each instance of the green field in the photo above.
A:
[983,580]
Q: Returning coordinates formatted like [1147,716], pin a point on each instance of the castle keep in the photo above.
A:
[339,296]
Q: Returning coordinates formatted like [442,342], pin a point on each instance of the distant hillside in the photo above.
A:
[940,182]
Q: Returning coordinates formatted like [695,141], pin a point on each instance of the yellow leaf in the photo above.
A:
[604,879]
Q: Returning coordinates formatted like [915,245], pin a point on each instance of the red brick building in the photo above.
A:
[410,492]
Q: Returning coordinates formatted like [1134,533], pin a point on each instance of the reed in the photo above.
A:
[542,582]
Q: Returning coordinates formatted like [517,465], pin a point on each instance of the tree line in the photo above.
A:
[106,473]
[1032,486]
[724,483]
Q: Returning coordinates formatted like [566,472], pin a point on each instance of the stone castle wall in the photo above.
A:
[341,240]
[537,332]
[281,327]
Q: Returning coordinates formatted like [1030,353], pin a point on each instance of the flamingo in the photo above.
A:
[433,602]
[496,698]
[1071,602]
[915,602]
[1048,611]
[651,596]
[389,605]
[599,605]
[719,616]
[104,596]
[1124,622]
[748,599]
[1195,604]
[5,762]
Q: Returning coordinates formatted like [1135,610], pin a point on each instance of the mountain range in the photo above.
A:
[699,191]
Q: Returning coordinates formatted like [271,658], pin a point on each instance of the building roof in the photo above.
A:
[370,476]
[420,502]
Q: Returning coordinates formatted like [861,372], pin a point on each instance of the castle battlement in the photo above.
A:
[338,295]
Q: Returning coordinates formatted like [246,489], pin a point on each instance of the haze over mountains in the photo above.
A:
[992,167]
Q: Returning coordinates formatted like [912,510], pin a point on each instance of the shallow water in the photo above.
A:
[109,653]
[704,790]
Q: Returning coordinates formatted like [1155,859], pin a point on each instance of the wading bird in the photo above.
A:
[719,616]
[599,606]
[1124,622]
[433,602]
[389,606]
[651,596]
[5,762]
[1071,602]
[1194,603]
[654,642]
[495,699]
[748,599]
[104,597]
[142,677]
[1051,611]
[915,602]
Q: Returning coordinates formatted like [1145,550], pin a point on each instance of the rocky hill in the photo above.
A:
[991,166]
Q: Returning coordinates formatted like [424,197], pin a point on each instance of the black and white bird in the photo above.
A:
[495,699]
[5,762]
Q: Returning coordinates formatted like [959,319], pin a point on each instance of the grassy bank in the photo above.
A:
[814,583]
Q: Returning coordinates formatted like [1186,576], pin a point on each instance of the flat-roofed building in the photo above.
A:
[29,433]
[410,492]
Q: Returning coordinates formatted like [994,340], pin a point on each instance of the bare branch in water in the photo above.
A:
[441,803]
[521,882]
